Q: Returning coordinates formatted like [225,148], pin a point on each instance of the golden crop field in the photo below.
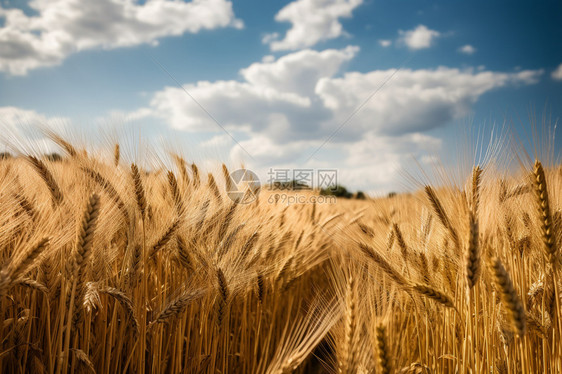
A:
[113,267]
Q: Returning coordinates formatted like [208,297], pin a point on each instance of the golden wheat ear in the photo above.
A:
[177,305]
[383,264]
[212,185]
[384,356]
[84,363]
[83,252]
[165,238]
[139,190]
[473,256]
[109,189]
[45,174]
[434,294]
[227,180]
[545,216]
[195,174]
[126,303]
[260,283]
[476,181]
[224,294]
[29,259]
[116,154]
[181,165]
[509,297]
[176,194]
[348,360]
[183,254]
[68,148]
[441,214]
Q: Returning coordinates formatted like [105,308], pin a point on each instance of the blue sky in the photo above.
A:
[281,77]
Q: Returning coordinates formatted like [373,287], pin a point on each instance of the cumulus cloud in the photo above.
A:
[414,100]
[298,72]
[267,151]
[467,49]
[271,37]
[557,73]
[233,104]
[312,21]
[389,154]
[276,97]
[419,38]
[63,27]
[385,43]
[14,117]
[284,108]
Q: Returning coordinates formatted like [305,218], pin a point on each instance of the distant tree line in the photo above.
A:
[338,190]
[341,191]
[55,157]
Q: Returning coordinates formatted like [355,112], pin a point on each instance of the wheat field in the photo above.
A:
[109,266]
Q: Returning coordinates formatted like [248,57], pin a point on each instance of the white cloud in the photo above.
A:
[298,72]
[268,58]
[467,49]
[63,27]
[414,100]
[268,38]
[14,117]
[385,43]
[419,38]
[557,73]
[312,21]
[267,152]
[283,109]
[276,97]
[234,105]
[389,154]
[217,141]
